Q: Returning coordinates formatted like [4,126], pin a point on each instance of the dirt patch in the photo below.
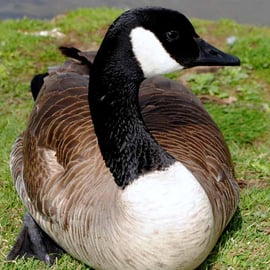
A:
[257,183]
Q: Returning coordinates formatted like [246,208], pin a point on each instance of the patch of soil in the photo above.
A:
[258,183]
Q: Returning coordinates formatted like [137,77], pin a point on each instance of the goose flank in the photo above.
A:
[119,167]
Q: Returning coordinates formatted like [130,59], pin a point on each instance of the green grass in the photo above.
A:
[245,122]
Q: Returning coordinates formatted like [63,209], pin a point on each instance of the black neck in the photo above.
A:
[128,149]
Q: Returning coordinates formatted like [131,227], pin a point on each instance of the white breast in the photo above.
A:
[170,217]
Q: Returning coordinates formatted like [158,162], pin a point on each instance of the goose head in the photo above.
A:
[164,41]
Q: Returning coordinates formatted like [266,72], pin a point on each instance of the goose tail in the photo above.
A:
[37,83]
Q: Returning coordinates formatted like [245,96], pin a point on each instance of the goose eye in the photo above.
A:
[172,36]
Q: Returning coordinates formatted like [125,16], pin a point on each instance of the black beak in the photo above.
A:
[211,56]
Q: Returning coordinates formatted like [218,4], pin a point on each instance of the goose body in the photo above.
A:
[141,180]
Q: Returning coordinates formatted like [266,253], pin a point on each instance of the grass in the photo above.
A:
[244,120]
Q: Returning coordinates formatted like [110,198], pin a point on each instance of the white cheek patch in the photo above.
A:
[153,58]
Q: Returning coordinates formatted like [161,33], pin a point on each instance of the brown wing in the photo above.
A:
[58,142]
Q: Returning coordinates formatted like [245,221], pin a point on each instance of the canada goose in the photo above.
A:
[144,181]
